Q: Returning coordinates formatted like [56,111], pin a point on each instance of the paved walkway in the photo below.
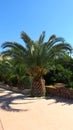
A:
[20,113]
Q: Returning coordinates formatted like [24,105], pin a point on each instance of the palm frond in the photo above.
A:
[52,37]
[54,40]
[27,40]
[11,45]
[14,50]
[41,38]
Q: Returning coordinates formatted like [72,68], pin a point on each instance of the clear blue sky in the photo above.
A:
[35,16]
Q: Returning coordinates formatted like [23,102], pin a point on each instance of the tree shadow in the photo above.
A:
[7,99]
[64,101]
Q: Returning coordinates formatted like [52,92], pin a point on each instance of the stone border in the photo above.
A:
[60,92]
[26,92]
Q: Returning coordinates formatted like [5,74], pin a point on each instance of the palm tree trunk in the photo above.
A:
[38,87]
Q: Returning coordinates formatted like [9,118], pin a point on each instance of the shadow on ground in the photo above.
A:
[60,100]
[7,99]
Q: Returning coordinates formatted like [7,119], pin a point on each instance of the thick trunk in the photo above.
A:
[38,87]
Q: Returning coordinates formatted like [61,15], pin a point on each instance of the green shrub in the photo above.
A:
[58,74]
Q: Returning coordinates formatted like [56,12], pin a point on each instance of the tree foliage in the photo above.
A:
[36,57]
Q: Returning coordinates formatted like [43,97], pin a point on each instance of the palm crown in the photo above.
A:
[36,54]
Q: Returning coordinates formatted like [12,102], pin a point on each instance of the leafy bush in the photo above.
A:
[58,74]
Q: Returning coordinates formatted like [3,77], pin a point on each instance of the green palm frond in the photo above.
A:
[41,38]
[15,50]
[52,38]
[62,47]
[27,40]
[54,41]
[13,45]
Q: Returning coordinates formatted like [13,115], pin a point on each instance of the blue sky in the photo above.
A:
[35,16]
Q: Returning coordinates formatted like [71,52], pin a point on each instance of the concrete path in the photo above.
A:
[20,113]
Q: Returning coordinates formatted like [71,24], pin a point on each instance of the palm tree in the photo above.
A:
[36,55]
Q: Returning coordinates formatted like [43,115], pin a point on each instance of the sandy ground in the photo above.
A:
[20,113]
